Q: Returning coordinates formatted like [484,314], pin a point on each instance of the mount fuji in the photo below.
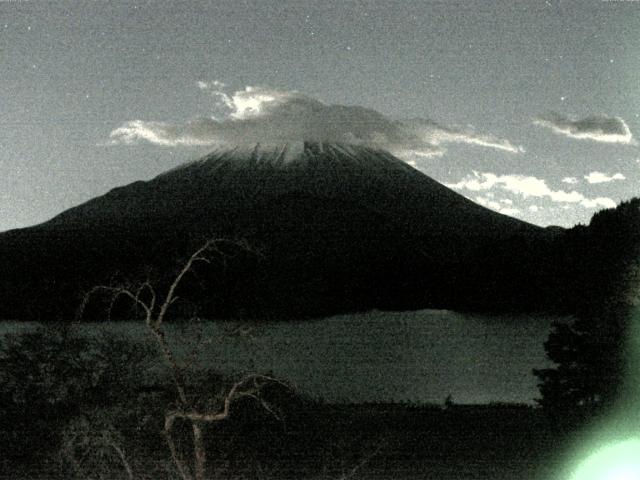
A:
[338,228]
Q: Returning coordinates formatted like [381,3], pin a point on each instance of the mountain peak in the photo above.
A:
[340,227]
[296,154]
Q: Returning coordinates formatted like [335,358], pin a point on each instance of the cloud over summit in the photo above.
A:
[259,114]
[599,128]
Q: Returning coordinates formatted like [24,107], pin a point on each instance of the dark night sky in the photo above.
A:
[531,108]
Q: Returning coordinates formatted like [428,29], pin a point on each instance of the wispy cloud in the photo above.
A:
[527,187]
[257,114]
[599,128]
[600,177]
[570,180]
[502,206]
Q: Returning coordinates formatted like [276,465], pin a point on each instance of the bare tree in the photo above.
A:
[155,307]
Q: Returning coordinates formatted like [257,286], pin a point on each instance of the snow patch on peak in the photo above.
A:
[296,155]
[288,152]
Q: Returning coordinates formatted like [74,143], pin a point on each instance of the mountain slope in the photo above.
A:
[239,178]
[339,227]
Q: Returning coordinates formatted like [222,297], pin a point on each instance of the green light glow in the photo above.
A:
[620,461]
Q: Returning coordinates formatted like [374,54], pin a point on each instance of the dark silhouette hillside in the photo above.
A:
[337,228]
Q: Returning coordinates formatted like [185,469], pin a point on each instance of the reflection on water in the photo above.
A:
[421,356]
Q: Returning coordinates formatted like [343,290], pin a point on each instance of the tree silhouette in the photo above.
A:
[196,412]
[590,350]
[590,358]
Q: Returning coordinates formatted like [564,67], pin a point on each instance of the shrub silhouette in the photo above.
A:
[51,374]
[590,351]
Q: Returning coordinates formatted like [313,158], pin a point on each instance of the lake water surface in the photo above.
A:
[420,356]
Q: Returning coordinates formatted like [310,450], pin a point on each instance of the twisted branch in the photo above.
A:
[154,316]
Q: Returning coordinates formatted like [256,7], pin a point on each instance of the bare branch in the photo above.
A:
[170,361]
[146,285]
[234,394]
[115,292]
[175,456]
[120,452]
[145,296]
[267,406]
[169,299]
[363,462]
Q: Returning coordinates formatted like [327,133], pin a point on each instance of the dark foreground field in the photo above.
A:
[328,441]
[419,442]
